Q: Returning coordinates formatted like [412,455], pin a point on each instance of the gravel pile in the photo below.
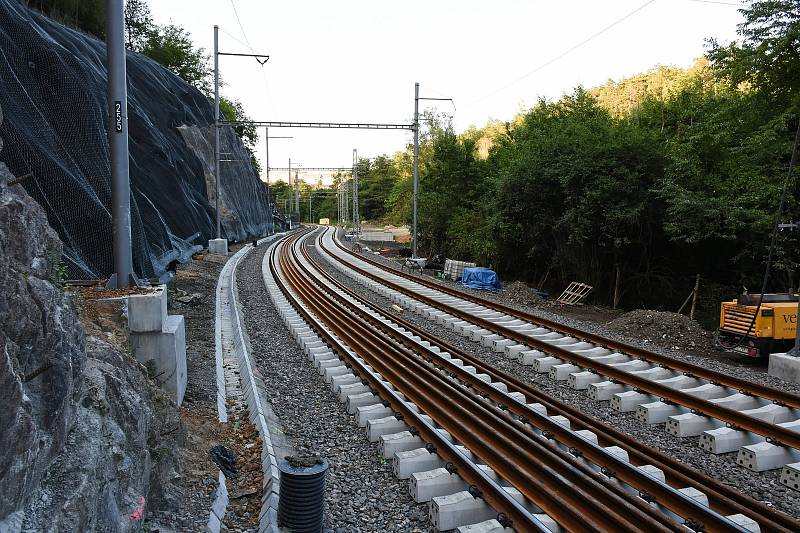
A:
[361,493]
[762,486]
[679,332]
[517,292]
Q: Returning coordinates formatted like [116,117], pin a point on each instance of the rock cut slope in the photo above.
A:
[53,120]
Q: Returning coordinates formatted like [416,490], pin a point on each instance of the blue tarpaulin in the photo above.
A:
[481,278]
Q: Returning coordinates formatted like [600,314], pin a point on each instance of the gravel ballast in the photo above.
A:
[761,486]
[361,491]
[724,365]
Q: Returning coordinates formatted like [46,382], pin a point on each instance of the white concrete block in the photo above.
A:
[147,312]
[378,427]
[424,486]
[458,509]
[488,526]
[784,366]
[790,476]
[399,442]
[164,354]
[218,246]
[419,460]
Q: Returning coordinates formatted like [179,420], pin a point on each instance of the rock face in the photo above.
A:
[53,95]
[82,429]
[38,334]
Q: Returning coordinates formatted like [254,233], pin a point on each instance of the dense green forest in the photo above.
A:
[662,176]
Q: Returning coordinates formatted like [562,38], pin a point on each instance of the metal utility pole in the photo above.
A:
[346,198]
[416,171]
[216,128]
[310,220]
[118,141]
[222,247]
[297,194]
[269,204]
[356,218]
[417,98]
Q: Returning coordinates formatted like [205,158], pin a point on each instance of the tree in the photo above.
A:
[88,15]
[769,56]
[138,24]
[172,47]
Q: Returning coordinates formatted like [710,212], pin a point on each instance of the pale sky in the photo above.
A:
[357,60]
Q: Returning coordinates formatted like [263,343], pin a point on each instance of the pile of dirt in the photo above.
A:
[671,330]
[518,293]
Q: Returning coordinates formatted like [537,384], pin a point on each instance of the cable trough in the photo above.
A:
[729,414]
[451,425]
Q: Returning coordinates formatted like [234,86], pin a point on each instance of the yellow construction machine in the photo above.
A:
[757,325]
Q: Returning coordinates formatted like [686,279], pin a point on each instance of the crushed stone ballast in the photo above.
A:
[765,432]
[496,399]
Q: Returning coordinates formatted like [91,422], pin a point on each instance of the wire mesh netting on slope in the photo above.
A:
[54,125]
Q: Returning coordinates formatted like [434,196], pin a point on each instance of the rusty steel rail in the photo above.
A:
[536,467]
[556,481]
[776,434]
[722,498]
[770,393]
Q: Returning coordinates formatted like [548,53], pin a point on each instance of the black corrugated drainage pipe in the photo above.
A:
[302,493]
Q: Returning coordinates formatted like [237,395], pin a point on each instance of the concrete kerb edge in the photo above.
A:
[253,387]
[220,503]
[228,272]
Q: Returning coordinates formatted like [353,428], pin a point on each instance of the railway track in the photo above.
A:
[729,414]
[480,445]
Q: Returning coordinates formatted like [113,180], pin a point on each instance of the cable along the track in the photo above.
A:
[728,413]
[562,473]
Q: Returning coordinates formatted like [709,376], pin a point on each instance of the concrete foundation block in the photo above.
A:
[562,372]
[658,412]
[784,366]
[529,357]
[790,476]
[345,379]
[764,456]
[514,350]
[164,353]
[604,390]
[627,401]
[332,371]
[488,526]
[690,425]
[726,440]
[353,388]
[354,401]
[745,521]
[218,247]
[419,460]
[370,412]
[399,442]
[582,380]
[324,364]
[458,509]
[500,346]
[147,312]
[544,364]
[378,427]
[424,486]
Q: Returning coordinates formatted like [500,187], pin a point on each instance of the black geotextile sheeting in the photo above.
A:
[53,123]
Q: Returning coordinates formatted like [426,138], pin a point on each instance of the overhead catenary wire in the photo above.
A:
[564,53]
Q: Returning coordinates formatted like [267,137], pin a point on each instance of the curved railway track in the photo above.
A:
[729,413]
[532,459]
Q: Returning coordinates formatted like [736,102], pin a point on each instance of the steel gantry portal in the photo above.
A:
[413,127]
